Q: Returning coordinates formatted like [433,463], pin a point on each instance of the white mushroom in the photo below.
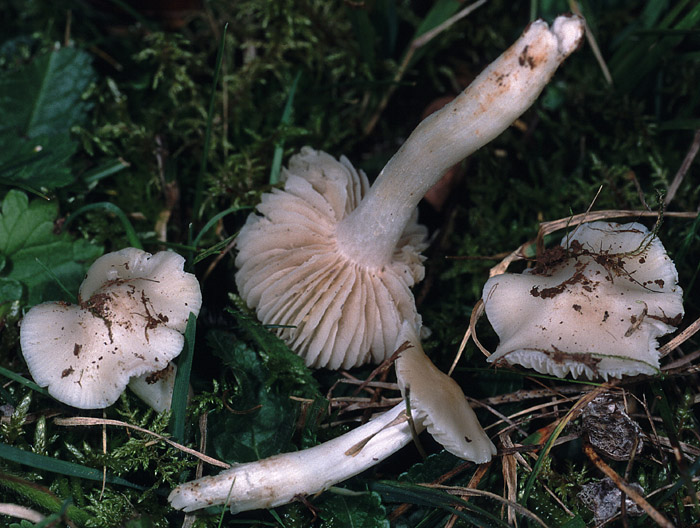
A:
[279,479]
[331,261]
[133,309]
[156,388]
[436,403]
[597,310]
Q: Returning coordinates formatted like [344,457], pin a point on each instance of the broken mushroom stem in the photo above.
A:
[279,479]
[436,402]
[496,98]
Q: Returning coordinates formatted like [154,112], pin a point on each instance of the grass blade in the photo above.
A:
[23,381]
[279,146]
[181,389]
[199,189]
[116,211]
[54,465]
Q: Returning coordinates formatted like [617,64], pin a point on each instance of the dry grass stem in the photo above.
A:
[86,421]
[678,178]
[226,251]
[477,312]
[681,338]
[533,394]
[415,45]
[462,346]
[625,488]
[493,411]
[509,468]
[371,384]
[573,5]
[680,362]
[469,492]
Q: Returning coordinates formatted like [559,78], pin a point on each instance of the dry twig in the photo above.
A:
[625,488]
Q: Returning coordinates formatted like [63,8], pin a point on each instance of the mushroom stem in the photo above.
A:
[496,98]
[279,479]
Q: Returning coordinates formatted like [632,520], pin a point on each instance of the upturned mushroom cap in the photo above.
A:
[438,403]
[598,310]
[339,312]
[133,308]
[332,260]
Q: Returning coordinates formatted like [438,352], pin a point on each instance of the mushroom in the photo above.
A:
[595,305]
[156,388]
[330,262]
[438,403]
[280,479]
[133,308]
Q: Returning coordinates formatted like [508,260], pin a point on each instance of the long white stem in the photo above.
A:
[279,479]
[496,98]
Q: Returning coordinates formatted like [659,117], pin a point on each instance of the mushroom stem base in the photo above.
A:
[279,479]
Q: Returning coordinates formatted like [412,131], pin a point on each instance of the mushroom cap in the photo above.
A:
[133,309]
[170,290]
[333,311]
[156,388]
[597,311]
[438,403]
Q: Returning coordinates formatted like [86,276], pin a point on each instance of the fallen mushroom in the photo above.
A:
[438,403]
[133,308]
[280,479]
[596,309]
[330,261]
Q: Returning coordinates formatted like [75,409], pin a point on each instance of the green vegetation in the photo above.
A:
[122,127]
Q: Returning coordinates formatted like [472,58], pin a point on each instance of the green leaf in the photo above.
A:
[261,418]
[363,510]
[285,366]
[45,97]
[435,498]
[34,163]
[576,522]
[439,12]
[181,388]
[63,467]
[39,104]
[36,257]
[431,468]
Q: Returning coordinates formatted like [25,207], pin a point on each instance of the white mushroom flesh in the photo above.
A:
[156,388]
[280,479]
[438,403]
[597,311]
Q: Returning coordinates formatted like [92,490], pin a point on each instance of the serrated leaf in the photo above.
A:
[286,368]
[357,511]
[36,163]
[39,104]
[262,419]
[36,257]
[44,97]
